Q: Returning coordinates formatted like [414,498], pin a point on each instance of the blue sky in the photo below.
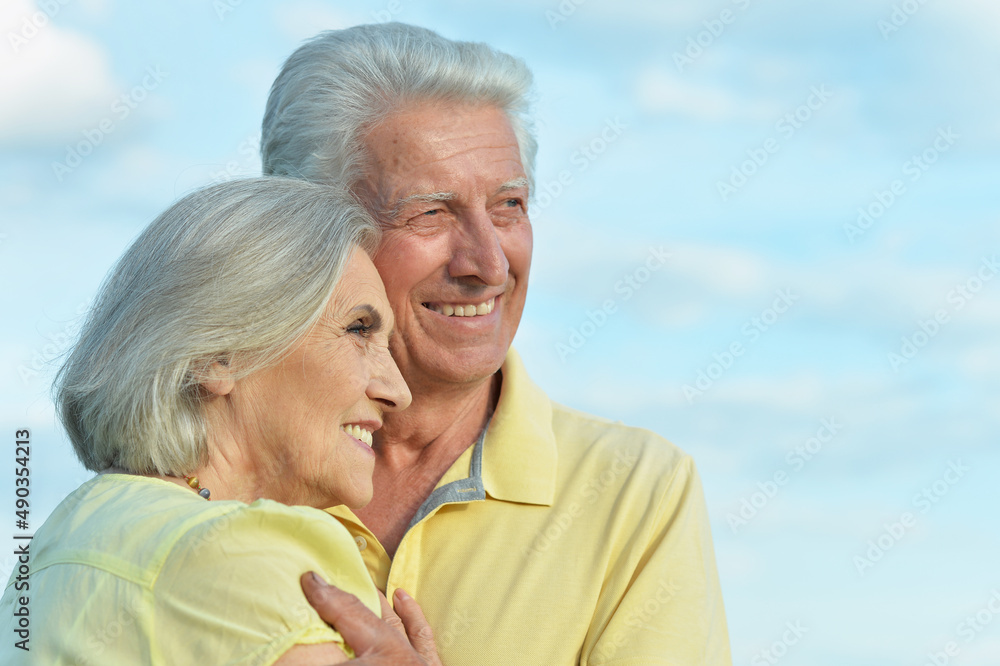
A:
[743,164]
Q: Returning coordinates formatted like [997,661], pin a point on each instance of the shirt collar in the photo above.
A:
[519,451]
[519,454]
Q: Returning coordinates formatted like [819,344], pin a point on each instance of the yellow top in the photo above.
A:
[130,570]
[561,538]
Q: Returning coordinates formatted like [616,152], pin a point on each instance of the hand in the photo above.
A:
[405,639]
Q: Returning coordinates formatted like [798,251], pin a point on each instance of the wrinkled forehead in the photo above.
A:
[432,148]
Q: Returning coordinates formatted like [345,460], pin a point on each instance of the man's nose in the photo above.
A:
[477,252]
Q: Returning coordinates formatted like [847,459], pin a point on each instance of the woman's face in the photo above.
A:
[307,423]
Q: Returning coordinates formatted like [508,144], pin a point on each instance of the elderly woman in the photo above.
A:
[229,377]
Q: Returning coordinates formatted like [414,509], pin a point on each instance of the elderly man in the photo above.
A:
[529,533]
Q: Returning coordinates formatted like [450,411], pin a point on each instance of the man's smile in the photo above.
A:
[462,309]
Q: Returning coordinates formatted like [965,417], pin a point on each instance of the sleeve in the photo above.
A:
[229,591]
[671,610]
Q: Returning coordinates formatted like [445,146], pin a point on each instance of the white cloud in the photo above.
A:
[642,12]
[877,290]
[982,14]
[985,650]
[724,270]
[801,394]
[256,75]
[584,262]
[302,20]
[96,8]
[658,90]
[982,362]
[17,193]
[669,13]
[54,82]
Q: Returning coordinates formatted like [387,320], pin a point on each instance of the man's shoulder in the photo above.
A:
[580,433]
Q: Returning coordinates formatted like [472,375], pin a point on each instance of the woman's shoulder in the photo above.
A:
[271,544]
[184,526]
[117,522]
[125,523]
[222,574]
[156,508]
[235,574]
[231,528]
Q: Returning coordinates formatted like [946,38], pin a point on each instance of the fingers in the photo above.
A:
[360,627]
[398,640]
[389,616]
[417,628]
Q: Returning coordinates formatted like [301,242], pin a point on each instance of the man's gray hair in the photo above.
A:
[236,273]
[341,84]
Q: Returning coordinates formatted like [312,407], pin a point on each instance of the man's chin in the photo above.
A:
[456,367]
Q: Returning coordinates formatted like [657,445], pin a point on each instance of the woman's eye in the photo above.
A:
[360,328]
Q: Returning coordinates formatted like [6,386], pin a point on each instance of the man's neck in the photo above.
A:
[415,448]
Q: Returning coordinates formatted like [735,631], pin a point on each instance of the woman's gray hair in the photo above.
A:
[341,84]
[235,273]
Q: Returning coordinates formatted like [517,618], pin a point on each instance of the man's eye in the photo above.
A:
[422,216]
[513,204]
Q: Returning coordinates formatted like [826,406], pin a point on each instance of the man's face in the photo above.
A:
[447,184]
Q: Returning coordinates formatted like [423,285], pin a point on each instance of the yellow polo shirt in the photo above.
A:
[560,538]
[131,570]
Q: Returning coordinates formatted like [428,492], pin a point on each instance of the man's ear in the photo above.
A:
[218,378]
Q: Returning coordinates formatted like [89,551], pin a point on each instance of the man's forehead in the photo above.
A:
[420,137]
[440,151]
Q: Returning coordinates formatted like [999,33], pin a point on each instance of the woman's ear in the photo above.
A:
[218,378]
